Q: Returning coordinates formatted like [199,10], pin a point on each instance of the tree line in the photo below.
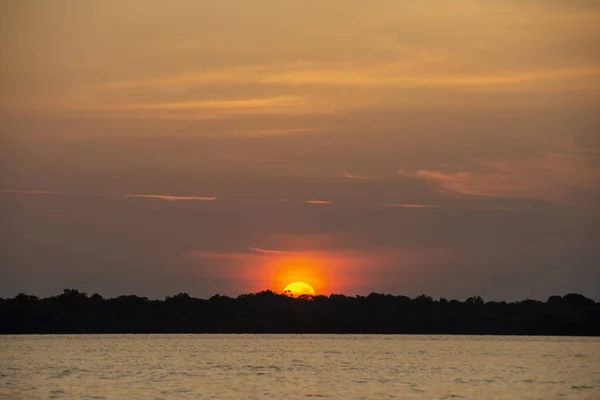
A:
[269,312]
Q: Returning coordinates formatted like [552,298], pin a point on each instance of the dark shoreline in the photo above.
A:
[266,312]
[294,334]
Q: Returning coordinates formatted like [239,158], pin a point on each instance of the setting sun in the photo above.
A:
[298,289]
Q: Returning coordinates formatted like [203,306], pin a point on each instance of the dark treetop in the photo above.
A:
[268,312]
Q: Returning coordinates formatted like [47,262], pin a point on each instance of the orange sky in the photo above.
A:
[406,146]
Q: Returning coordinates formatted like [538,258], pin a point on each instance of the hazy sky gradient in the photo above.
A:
[154,147]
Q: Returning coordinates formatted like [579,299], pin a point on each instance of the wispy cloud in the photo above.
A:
[554,177]
[171,198]
[433,206]
[396,74]
[267,251]
[506,209]
[18,191]
[145,196]
[270,132]
[318,202]
[209,104]
[350,175]
[402,205]
[378,48]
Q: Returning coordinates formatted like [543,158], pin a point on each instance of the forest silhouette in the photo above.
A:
[268,312]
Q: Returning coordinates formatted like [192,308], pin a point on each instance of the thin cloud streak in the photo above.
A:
[270,132]
[430,206]
[398,75]
[325,202]
[267,251]
[402,205]
[506,209]
[283,200]
[208,104]
[349,175]
[171,198]
[18,191]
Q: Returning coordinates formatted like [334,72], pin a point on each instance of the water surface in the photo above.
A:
[298,367]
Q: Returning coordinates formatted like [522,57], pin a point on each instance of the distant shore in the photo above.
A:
[268,312]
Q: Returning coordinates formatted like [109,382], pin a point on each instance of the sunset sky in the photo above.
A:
[443,147]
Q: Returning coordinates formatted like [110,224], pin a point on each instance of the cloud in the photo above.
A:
[29,191]
[267,251]
[554,177]
[197,109]
[359,177]
[401,205]
[318,202]
[507,209]
[269,132]
[312,89]
[171,198]
[145,196]
[210,104]
[429,206]
[360,75]
[378,48]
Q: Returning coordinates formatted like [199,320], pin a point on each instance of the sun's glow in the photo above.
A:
[296,289]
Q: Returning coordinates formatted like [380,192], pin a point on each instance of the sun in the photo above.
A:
[297,289]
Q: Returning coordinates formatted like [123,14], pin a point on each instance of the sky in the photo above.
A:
[154,147]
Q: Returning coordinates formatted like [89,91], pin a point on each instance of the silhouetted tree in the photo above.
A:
[476,300]
[424,299]
[269,312]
